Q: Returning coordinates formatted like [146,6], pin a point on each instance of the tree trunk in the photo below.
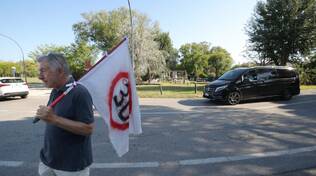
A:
[149,75]
[284,59]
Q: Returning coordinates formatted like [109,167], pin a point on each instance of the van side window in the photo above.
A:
[266,74]
[251,76]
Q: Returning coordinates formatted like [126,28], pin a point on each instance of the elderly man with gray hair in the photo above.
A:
[69,124]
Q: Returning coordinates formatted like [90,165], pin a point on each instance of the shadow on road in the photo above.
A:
[183,136]
[10,99]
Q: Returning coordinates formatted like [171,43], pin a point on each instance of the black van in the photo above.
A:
[252,83]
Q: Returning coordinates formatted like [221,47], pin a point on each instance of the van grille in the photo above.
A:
[209,90]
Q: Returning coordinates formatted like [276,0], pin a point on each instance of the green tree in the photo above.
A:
[6,68]
[77,54]
[105,29]
[307,70]
[247,64]
[45,49]
[219,61]
[165,45]
[194,58]
[31,67]
[282,30]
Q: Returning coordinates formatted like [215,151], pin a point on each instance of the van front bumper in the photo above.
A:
[214,96]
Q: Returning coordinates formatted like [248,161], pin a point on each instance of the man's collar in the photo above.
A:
[65,87]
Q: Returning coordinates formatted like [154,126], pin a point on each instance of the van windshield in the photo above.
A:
[232,75]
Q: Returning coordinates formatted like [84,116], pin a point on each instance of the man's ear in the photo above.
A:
[60,72]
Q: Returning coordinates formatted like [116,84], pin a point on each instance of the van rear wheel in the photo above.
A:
[233,98]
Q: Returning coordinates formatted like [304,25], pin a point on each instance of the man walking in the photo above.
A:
[69,124]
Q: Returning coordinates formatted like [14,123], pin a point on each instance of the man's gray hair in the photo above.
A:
[55,61]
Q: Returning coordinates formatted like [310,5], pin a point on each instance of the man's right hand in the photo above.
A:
[45,113]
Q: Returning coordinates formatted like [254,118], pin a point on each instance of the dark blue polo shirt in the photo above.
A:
[62,149]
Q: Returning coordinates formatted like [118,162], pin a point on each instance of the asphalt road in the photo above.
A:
[181,137]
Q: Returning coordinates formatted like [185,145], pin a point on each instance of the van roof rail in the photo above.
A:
[275,66]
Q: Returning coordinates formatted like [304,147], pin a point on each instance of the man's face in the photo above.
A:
[49,76]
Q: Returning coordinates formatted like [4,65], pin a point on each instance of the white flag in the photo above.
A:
[112,85]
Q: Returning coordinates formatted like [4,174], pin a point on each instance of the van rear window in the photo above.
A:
[283,73]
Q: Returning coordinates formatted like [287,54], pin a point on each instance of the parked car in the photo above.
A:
[253,83]
[13,86]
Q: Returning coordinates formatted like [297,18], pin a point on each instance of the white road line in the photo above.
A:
[212,160]
[11,163]
[125,165]
[247,157]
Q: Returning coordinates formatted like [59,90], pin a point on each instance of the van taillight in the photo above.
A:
[2,85]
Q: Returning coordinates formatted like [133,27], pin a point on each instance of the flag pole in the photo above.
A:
[131,39]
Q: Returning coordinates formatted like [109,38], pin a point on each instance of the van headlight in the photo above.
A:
[220,88]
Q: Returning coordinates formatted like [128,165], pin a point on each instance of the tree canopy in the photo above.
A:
[76,54]
[200,60]
[170,53]
[219,61]
[106,29]
[30,68]
[282,31]
[194,58]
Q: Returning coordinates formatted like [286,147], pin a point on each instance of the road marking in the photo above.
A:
[212,160]
[11,163]
[247,156]
[125,165]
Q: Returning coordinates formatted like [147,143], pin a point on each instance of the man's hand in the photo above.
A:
[45,113]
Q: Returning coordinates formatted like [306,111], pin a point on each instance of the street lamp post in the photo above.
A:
[131,39]
[17,44]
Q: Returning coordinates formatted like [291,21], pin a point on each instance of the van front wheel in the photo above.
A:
[233,98]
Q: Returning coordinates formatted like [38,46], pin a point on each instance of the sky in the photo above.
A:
[33,23]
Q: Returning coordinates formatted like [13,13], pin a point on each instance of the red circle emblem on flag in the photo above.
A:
[120,101]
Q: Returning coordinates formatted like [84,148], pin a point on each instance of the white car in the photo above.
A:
[13,86]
